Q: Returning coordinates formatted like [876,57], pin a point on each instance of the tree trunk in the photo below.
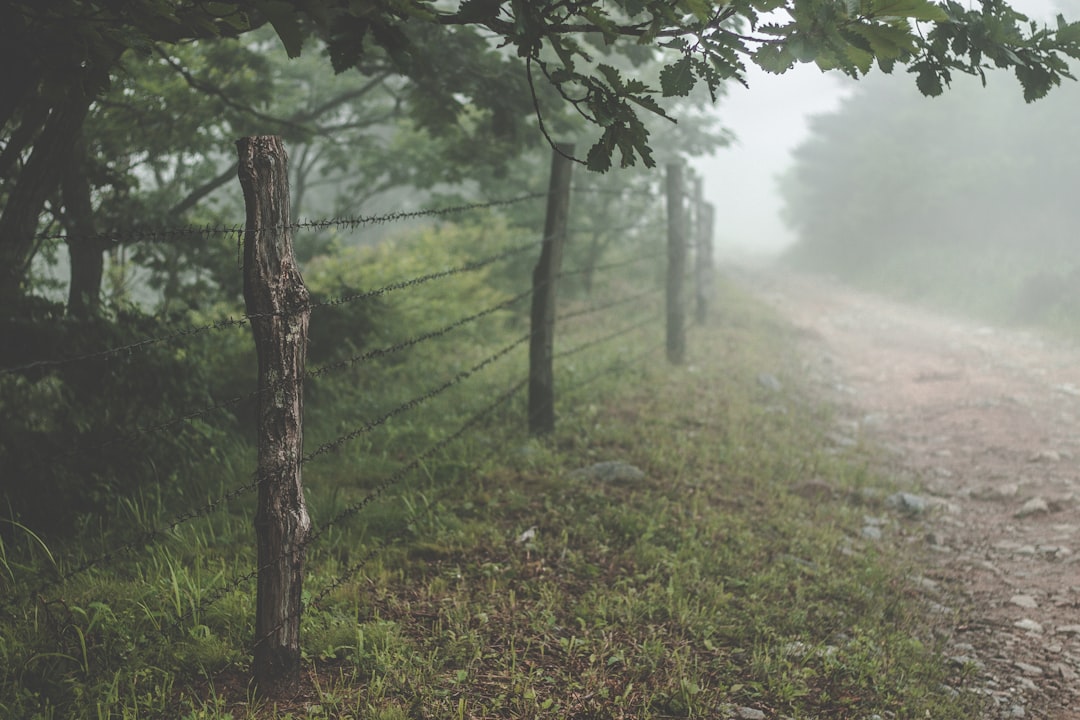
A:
[274,290]
[86,250]
[39,178]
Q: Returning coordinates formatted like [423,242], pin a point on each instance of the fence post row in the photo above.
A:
[676,252]
[277,301]
[545,276]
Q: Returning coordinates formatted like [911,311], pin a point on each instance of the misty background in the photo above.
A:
[772,117]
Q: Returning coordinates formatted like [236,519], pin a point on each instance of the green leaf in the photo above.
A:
[599,157]
[1068,33]
[929,82]
[774,59]
[914,9]
[886,41]
[699,8]
[286,21]
[678,78]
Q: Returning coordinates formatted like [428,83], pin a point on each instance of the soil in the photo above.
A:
[985,423]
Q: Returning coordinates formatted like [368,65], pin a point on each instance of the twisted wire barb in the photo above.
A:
[605,338]
[413,403]
[469,266]
[400,474]
[608,305]
[206,231]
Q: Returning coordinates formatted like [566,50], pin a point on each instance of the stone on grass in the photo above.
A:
[749,713]
[769,382]
[1029,625]
[1024,601]
[906,502]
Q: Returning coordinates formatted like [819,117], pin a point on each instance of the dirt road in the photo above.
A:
[986,422]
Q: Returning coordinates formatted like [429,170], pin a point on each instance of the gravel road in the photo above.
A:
[986,424]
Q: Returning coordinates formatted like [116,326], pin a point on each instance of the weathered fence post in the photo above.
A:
[277,300]
[545,277]
[676,250]
[701,256]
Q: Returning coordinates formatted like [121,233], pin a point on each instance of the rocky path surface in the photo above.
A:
[987,422]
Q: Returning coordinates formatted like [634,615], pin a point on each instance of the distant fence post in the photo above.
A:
[702,261]
[705,254]
[676,250]
[545,277]
[277,300]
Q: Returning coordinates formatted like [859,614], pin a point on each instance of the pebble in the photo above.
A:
[1034,506]
[1031,670]
[769,382]
[1063,671]
[749,713]
[1024,601]
[1028,625]
[906,502]
[871,532]
[1005,491]
[1069,629]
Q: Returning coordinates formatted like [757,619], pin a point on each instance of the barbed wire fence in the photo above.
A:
[277,631]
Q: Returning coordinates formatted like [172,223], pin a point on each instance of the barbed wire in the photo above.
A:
[469,266]
[415,463]
[612,265]
[627,192]
[608,305]
[414,402]
[604,338]
[349,222]
[147,535]
[417,339]
[620,361]
[137,345]
[374,495]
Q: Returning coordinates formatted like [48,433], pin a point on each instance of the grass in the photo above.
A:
[707,586]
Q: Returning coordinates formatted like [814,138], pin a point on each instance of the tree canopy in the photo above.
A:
[461,57]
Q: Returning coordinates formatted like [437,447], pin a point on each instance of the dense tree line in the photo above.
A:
[962,199]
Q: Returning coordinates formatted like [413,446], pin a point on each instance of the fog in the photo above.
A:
[769,120]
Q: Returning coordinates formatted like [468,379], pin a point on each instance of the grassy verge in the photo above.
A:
[709,587]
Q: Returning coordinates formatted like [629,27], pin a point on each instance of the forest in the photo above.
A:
[954,203]
[455,564]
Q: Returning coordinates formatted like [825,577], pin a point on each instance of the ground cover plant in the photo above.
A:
[494,579]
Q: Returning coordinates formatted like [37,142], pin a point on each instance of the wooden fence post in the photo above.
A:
[545,278]
[701,268]
[277,300]
[705,253]
[676,313]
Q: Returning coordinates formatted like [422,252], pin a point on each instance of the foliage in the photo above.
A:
[958,200]
[85,417]
[74,50]
[706,586]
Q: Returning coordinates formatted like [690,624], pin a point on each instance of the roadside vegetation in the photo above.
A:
[495,580]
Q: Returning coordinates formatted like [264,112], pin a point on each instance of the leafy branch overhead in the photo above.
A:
[699,42]
[703,42]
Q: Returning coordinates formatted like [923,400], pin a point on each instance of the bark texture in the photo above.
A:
[274,291]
